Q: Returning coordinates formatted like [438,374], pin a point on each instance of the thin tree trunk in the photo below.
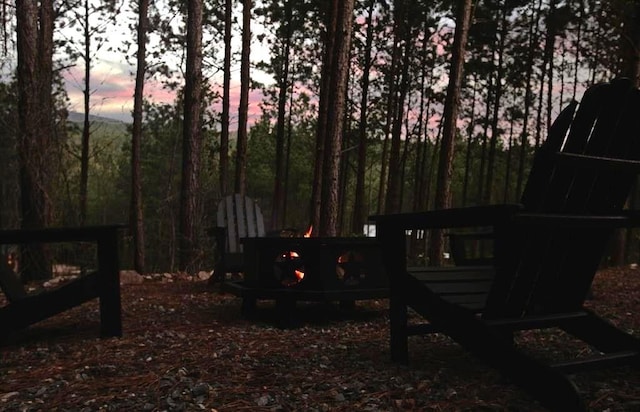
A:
[528,97]
[392,201]
[467,159]
[359,207]
[279,194]
[243,110]
[86,127]
[136,211]
[226,87]
[496,107]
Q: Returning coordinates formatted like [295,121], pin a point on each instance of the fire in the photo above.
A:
[308,232]
[299,274]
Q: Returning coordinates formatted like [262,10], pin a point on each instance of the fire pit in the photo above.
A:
[291,269]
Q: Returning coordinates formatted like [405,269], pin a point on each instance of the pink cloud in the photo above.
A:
[112,93]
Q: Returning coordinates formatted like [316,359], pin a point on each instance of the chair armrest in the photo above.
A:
[590,221]
[58,234]
[450,218]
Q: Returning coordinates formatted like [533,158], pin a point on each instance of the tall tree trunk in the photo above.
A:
[630,67]
[392,204]
[507,174]
[480,196]
[528,97]
[445,163]
[335,70]
[243,110]
[360,207]
[467,157]
[35,123]
[335,116]
[279,194]
[395,103]
[86,127]
[226,87]
[630,44]
[136,219]
[495,129]
[323,108]
[192,137]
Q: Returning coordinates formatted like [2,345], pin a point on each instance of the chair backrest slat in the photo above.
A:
[241,216]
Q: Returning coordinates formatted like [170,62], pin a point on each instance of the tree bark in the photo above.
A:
[360,207]
[86,127]
[323,107]
[243,110]
[332,106]
[192,137]
[445,163]
[224,121]
[279,194]
[136,222]
[35,122]
[339,73]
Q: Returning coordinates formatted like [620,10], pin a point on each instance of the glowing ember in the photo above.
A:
[289,268]
[297,272]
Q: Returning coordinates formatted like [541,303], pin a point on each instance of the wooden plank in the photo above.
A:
[250,213]
[232,228]
[611,360]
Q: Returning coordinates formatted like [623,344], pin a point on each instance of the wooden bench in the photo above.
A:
[25,309]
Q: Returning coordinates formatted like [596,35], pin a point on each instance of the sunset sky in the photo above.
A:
[113,81]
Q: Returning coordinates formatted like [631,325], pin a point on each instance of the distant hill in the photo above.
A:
[76,117]
[101,128]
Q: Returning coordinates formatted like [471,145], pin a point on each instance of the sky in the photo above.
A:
[113,83]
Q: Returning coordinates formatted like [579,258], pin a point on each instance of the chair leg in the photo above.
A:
[601,334]
[399,337]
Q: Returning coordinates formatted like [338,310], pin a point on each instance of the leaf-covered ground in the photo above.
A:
[186,348]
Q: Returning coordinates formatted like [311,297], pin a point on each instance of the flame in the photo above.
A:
[299,274]
[308,232]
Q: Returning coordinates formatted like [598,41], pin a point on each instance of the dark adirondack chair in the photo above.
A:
[238,217]
[546,253]
[24,309]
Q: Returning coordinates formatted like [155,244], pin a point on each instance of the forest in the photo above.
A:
[375,106]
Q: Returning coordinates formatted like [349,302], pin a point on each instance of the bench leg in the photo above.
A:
[109,284]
